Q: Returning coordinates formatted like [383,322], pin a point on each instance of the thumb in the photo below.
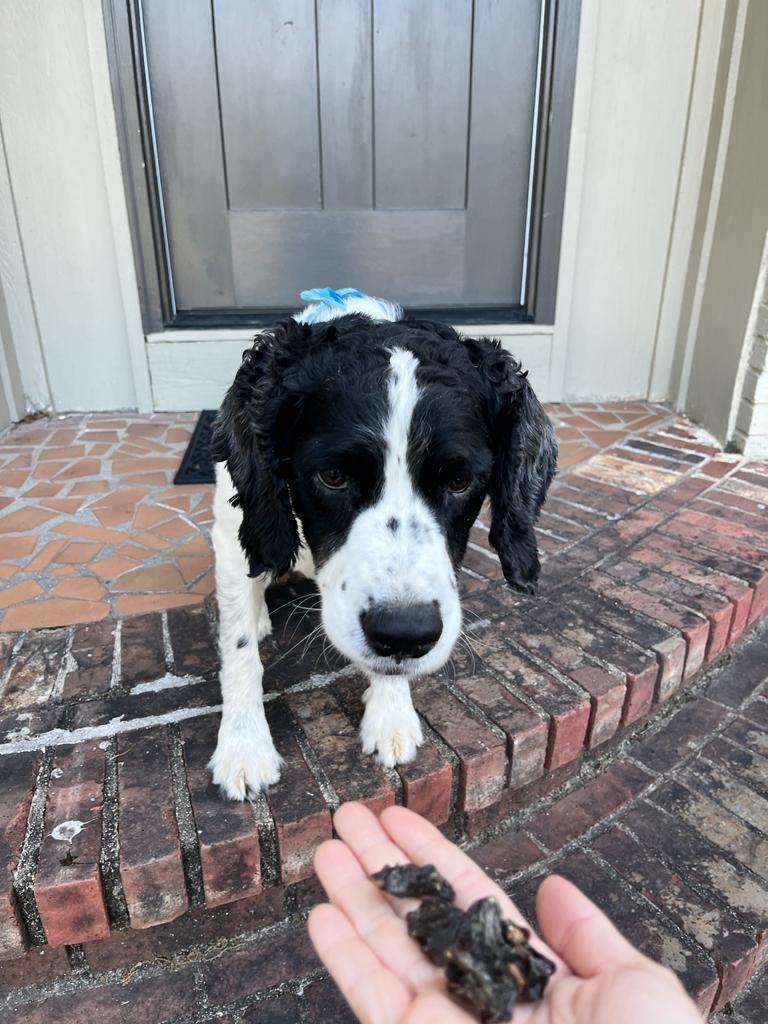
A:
[579,932]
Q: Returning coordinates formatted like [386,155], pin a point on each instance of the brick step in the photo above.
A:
[109,824]
[668,833]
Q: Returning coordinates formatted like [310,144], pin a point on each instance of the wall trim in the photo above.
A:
[713,203]
[574,187]
[191,370]
[116,202]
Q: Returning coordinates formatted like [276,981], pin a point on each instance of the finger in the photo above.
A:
[362,832]
[424,844]
[374,920]
[374,993]
[579,932]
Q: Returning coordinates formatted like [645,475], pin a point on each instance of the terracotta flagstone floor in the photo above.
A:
[91,525]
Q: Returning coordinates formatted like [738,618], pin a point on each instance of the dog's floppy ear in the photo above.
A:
[524,460]
[251,435]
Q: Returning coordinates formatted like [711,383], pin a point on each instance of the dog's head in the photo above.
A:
[383,439]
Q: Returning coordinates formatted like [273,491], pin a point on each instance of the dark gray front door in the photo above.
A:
[384,145]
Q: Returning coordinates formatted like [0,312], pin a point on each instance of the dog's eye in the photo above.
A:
[332,478]
[457,482]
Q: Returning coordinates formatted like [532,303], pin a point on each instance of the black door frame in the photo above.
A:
[556,75]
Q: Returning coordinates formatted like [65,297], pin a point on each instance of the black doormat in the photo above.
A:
[197,465]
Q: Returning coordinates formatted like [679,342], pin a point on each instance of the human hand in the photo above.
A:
[361,936]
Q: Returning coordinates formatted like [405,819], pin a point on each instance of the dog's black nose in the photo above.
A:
[402,630]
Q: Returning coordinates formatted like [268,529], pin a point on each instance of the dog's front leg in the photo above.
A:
[245,759]
[390,727]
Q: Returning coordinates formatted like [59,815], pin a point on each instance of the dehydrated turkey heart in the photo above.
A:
[488,960]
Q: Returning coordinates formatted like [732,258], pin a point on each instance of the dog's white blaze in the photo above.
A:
[395,551]
[403,396]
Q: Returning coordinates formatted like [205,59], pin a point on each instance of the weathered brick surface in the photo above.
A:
[701,863]
[159,1000]
[750,1007]
[644,579]
[652,933]
[526,731]
[127,707]
[150,852]
[718,783]
[199,927]
[227,833]
[302,817]
[717,930]
[481,753]
[193,647]
[692,626]
[428,783]
[19,772]
[747,766]
[92,652]
[35,670]
[258,967]
[327,1003]
[569,710]
[68,887]
[142,650]
[726,608]
[749,734]
[716,551]
[507,854]
[334,740]
[668,645]
[718,824]
[680,735]
[39,964]
[639,666]
[740,678]
[684,563]
[573,814]
[607,690]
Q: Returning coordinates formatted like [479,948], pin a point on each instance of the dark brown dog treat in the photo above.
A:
[409,880]
[489,962]
[488,994]
[435,925]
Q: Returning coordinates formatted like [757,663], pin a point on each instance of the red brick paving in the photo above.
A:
[668,835]
[649,584]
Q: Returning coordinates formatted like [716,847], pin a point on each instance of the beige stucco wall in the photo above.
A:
[638,77]
[645,144]
[750,433]
[725,285]
[72,329]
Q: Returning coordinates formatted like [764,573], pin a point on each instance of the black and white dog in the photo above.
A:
[358,448]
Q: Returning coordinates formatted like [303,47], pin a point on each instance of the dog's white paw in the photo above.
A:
[263,623]
[391,732]
[242,764]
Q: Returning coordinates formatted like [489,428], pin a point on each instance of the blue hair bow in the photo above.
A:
[328,298]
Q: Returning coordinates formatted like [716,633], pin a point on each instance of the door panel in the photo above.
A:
[346,97]
[503,74]
[268,86]
[422,64]
[279,253]
[382,144]
[181,62]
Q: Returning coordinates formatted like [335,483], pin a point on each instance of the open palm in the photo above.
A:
[362,938]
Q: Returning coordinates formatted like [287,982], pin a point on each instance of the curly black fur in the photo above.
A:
[295,374]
